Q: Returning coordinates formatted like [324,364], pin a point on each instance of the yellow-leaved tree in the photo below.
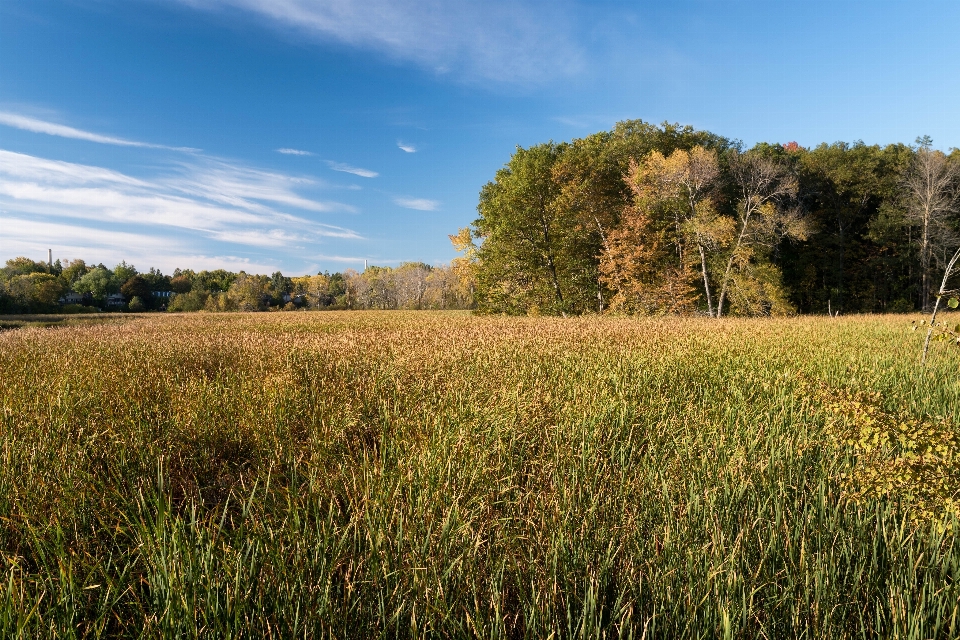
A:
[651,260]
[464,268]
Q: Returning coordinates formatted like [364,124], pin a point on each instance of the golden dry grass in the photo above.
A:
[415,473]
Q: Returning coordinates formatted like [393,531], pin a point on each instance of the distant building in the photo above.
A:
[72,298]
[115,300]
[162,294]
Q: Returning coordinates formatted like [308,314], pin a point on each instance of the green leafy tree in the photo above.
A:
[190,301]
[338,284]
[156,280]
[123,272]
[137,287]
[860,257]
[525,254]
[218,280]
[181,284]
[280,285]
[98,282]
[73,271]
[35,292]
[23,266]
[249,292]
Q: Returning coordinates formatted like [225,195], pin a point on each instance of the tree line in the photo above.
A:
[669,219]
[28,286]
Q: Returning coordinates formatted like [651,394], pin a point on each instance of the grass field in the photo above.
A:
[437,474]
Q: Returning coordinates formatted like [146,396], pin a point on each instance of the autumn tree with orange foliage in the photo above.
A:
[649,259]
[638,266]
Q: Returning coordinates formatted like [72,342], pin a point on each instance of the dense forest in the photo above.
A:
[28,286]
[669,219]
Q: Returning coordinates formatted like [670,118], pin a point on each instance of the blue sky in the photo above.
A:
[304,135]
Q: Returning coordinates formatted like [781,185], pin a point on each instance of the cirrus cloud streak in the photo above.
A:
[420,204]
[501,40]
[34,125]
[210,199]
[357,171]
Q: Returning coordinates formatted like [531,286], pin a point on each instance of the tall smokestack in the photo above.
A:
[50,258]
[364,264]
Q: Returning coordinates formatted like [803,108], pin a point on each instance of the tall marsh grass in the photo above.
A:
[436,474]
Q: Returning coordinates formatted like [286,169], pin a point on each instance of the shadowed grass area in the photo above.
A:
[438,474]
[42,321]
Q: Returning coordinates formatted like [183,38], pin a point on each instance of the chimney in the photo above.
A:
[364,264]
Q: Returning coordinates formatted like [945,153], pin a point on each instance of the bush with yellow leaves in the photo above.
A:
[894,455]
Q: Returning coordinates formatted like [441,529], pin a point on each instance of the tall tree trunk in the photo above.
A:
[726,273]
[606,247]
[551,265]
[925,264]
[706,280]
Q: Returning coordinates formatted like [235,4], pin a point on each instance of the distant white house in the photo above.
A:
[162,294]
[115,300]
[72,298]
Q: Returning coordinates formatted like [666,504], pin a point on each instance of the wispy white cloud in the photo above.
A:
[230,263]
[294,152]
[245,187]
[587,121]
[357,171]
[31,237]
[346,259]
[409,148]
[210,199]
[420,204]
[503,40]
[27,123]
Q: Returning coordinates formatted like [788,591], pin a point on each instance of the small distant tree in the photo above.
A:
[378,288]
[337,285]
[190,301]
[280,285]
[465,265]
[38,292]
[248,292]
[73,271]
[410,283]
[98,282]
[136,287]
[136,304]
[156,280]
[123,272]
[22,266]
[181,284]
[214,281]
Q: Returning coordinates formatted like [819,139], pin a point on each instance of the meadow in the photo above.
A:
[437,474]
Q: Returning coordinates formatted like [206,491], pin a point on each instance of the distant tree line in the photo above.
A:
[28,286]
[669,219]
